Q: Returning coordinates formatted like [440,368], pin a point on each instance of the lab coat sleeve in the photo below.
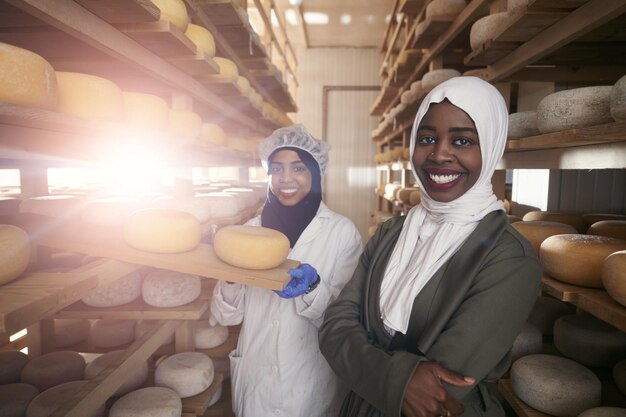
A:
[227,303]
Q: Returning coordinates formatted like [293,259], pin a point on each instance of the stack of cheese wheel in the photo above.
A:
[111,211]
[617,100]
[187,373]
[15,397]
[90,97]
[53,368]
[202,38]
[485,28]
[14,252]
[538,231]
[148,402]
[614,276]
[26,79]
[228,69]
[173,11]
[546,311]
[212,134]
[162,231]
[529,341]
[46,403]
[578,259]
[589,340]
[251,247]
[119,292]
[52,205]
[208,337]
[573,219]
[435,77]
[184,124]
[145,110]
[144,326]
[570,109]
[554,385]
[68,332]
[11,364]
[163,288]
[108,333]
[135,379]
[609,228]
[523,124]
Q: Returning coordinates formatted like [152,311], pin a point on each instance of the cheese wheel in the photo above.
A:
[619,375]
[416,89]
[203,207]
[163,288]
[609,228]
[119,292]
[108,333]
[589,341]
[243,84]
[162,231]
[554,385]
[529,341]
[444,7]
[208,337]
[26,79]
[407,97]
[485,28]
[574,220]
[113,211]
[183,124]
[577,259]
[133,380]
[145,110]
[52,205]
[148,402]
[228,69]
[591,218]
[68,332]
[523,124]
[570,109]
[216,396]
[202,38]
[406,154]
[512,5]
[90,97]
[187,373]
[415,198]
[513,219]
[617,100]
[435,77]
[14,399]
[53,368]
[14,252]
[536,231]
[46,403]
[143,326]
[251,247]
[212,134]
[223,204]
[173,11]
[11,364]
[604,412]
[614,276]
[404,194]
[546,311]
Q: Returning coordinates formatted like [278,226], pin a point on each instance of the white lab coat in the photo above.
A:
[277,368]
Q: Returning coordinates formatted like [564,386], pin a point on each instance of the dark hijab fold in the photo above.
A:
[292,220]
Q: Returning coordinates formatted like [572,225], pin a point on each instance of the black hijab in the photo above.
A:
[292,220]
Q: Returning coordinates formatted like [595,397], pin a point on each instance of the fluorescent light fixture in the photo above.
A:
[316,18]
[291,17]
[345,18]
[295,2]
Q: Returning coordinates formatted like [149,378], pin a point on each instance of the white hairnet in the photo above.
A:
[295,136]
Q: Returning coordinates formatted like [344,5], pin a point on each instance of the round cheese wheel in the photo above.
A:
[108,333]
[512,5]
[46,403]
[163,288]
[184,124]
[609,228]
[162,231]
[529,341]
[444,7]
[148,402]
[90,97]
[202,38]
[577,259]
[53,368]
[52,205]
[554,385]
[570,109]
[212,134]
[614,276]
[216,396]
[513,219]
[14,399]
[68,332]
[404,194]
[11,364]
[145,110]
[416,89]
[208,337]
[435,77]
[223,204]
[617,99]
[187,373]
[604,412]
[143,326]
[415,198]
[26,79]
[546,311]
[251,247]
[119,292]
[485,28]
[591,218]
[14,252]
[589,340]
[228,69]
[574,220]
[523,124]
[173,11]
[619,375]
[537,231]
[407,97]
[243,84]
[134,379]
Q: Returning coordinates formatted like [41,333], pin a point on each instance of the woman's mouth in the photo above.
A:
[442,181]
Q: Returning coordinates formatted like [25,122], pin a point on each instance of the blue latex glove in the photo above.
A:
[301,278]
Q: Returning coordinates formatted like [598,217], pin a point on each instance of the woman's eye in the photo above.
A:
[299,169]
[274,170]
[426,140]
[463,142]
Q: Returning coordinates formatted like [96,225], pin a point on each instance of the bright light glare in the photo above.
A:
[273,18]
[345,19]
[17,335]
[316,18]
[291,17]
[132,170]
[295,2]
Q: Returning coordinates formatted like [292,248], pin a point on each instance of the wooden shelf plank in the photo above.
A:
[431,29]
[160,37]
[522,410]
[199,403]
[122,11]
[610,132]
[600,304]
[561,290]
[411,6]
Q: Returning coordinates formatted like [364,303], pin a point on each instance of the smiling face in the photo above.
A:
[447,155]
[290,179]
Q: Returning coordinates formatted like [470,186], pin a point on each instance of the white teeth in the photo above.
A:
[443,179]
[289,191]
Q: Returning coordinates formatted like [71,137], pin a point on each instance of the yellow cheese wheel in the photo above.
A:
[145,110]
[228,69]
[162,231]
[202,38]
[173,11]
[577,259]
[26,78]
[212,134]
[14,252]
[572,219]
[537,231]
[404,194]
[90,97]
[614,276]
[610,228]
[415,198]
[251,247]
[184,124]
[243,84]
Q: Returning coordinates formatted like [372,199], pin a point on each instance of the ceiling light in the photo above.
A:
[345,19]
[316,18]
[295,2]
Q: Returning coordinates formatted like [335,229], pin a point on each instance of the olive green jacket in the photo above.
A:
[465,318]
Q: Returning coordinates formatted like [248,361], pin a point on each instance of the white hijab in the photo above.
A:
[433,231]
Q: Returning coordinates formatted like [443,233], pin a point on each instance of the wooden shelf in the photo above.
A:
[522,410]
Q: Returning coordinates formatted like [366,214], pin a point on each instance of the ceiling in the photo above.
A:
[350,23]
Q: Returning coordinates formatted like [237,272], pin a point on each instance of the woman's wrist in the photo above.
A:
[313,285]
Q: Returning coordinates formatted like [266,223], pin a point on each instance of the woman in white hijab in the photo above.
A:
[439,296]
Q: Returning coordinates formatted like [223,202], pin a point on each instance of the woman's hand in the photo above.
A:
[303,279]
[426,397]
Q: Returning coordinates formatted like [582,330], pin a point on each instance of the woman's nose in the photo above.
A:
[441,152]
